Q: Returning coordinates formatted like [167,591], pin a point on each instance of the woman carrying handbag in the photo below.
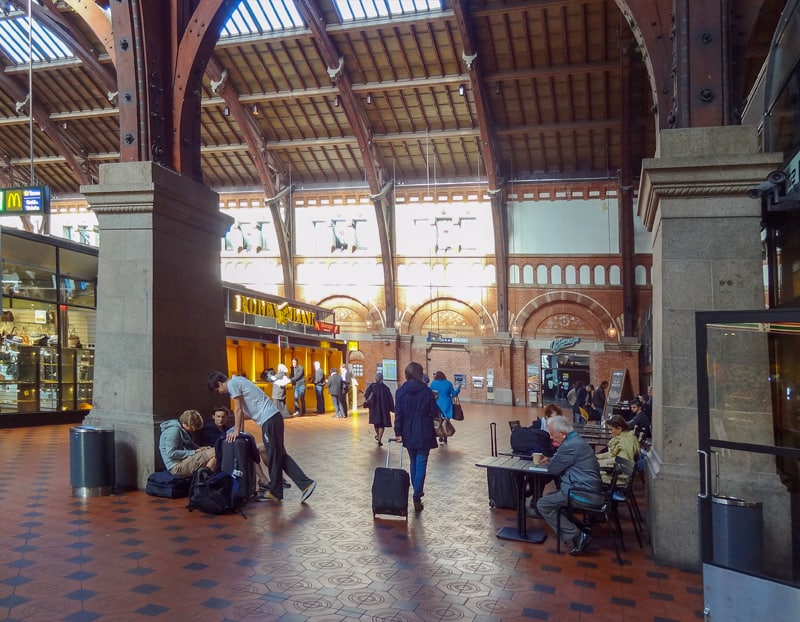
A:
[445,392]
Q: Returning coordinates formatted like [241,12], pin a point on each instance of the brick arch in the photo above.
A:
[536,311]
[413,320]
[356,306]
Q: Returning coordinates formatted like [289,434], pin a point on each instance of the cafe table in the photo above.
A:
[521,468]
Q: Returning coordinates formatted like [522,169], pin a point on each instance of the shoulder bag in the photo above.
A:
[458,412]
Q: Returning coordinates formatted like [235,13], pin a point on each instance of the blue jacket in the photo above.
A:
[575,463]
[446,392]
[414,410]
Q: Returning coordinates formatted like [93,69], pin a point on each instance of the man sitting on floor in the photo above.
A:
[576,465]
[180,453]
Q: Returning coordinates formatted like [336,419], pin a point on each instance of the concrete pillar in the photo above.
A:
[706,256]
[160,310]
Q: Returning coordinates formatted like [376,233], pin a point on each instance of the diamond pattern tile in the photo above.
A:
[129,556]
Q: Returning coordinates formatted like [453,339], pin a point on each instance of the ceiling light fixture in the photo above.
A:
[256,110]
[369,98]
[336,101]
[226,111]
[497,89]
[461,90]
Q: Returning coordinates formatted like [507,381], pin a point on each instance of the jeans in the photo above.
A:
[418,465]
[300,398]
[338,409]
[320,399]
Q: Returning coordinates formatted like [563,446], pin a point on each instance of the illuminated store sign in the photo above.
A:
[282,312]
[30,201]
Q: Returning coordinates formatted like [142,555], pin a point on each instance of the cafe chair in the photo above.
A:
[584,515]
[513,424]
[623,494]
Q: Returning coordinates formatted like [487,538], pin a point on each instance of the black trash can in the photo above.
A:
[91,461]
[738,528]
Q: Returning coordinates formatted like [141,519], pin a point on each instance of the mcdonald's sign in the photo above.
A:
[27,201]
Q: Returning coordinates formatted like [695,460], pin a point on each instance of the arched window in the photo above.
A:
[570,275]
[640,275]
[555,275]
[527,275]
[586,275]
[513,275]
[541,275]
[614,275]
[599,275]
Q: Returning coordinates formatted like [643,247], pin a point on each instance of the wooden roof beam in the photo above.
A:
[490,153]
[271,172]
[377,172]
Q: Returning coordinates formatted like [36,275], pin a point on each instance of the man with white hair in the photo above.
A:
[576,465]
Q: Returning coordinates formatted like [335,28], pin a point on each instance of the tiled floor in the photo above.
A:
[134,557]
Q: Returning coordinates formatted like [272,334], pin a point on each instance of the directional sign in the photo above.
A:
[28,201]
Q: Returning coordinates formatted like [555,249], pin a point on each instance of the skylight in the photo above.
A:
[45,46]
[259,17]
[352,10]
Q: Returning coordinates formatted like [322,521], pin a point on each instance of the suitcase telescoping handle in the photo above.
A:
[493,437]
[389,451]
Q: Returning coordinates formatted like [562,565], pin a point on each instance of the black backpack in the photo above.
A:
[530,440]
[214,493]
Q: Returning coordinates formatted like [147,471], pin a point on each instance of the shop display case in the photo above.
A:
[19,369]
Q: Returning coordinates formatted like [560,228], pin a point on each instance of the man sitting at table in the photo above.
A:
[576,465]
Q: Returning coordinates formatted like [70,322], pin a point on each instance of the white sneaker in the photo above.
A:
[307,491]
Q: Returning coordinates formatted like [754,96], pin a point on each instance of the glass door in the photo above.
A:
[748,397]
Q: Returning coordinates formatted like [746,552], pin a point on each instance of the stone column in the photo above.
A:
[160,309]
[706,256]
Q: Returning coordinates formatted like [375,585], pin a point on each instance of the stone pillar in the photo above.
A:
[160,309]
[706,256]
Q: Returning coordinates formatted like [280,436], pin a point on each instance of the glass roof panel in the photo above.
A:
[44,46]
[353,10]
[260,17]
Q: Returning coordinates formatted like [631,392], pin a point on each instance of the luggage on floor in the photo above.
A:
[214,493]
[239,459]
[390,488]
[502,486]
[165,484]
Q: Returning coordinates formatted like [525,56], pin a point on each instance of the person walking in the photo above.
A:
[380,402]
[334,385]
[445,392]
[298,377]
[319,386]
[251,402]
[414,410]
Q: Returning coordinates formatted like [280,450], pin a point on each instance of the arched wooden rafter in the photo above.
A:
[489,151]
[372,158]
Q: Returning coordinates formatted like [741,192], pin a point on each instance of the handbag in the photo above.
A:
[458,412]
[443,427]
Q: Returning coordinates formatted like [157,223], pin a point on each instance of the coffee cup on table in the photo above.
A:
[537,458]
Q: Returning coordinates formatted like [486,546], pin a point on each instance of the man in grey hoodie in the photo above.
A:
[180,453]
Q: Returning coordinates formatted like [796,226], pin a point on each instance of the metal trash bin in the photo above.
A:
[738,533]
[91,461]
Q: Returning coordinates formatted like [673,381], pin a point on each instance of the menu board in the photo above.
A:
[619,389]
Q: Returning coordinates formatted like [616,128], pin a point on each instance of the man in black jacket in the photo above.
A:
[298,378]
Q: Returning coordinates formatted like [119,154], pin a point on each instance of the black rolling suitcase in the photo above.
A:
[239,459]
[502,486]
[390,488]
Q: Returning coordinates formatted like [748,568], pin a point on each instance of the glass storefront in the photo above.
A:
[47,325]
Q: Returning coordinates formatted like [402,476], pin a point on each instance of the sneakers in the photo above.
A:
[268,496]
[307,491]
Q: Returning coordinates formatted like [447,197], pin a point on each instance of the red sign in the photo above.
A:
[326,327]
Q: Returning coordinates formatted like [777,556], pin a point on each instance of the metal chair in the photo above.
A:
[603,509]
[623,493]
